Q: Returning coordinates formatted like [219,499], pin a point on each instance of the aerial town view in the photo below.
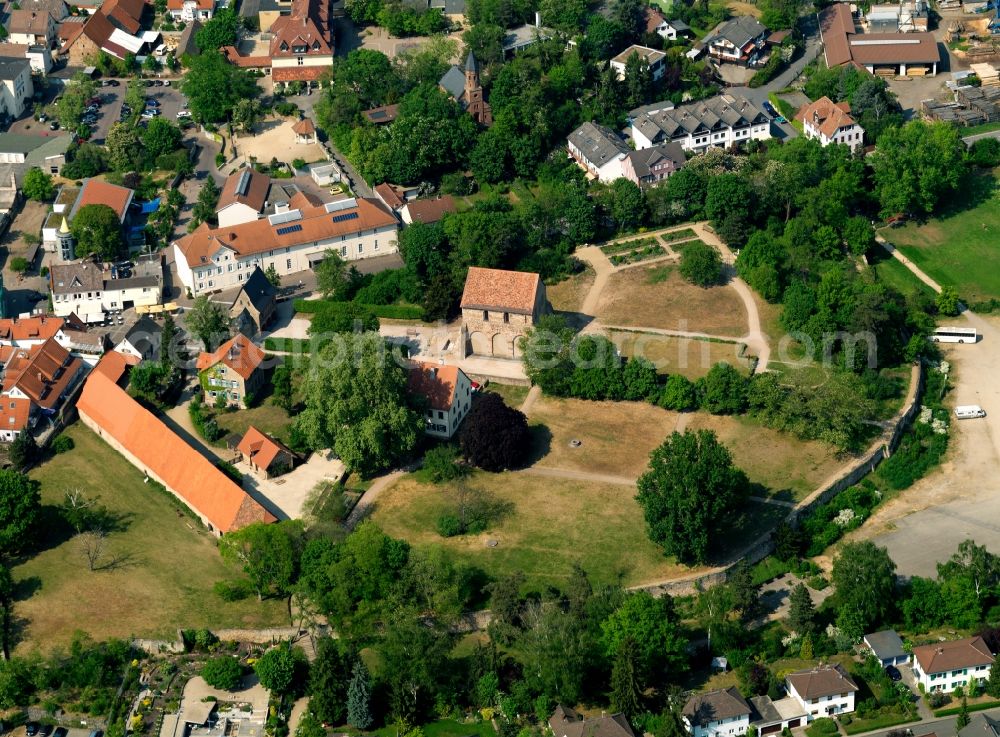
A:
[500,368]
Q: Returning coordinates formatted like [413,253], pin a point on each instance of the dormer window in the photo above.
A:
[284,46]
[300,49]
[315,45]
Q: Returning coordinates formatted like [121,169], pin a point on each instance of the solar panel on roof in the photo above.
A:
[289,229]
[243,185]
[345,216]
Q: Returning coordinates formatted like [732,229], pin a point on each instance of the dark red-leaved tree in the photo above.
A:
[494,437]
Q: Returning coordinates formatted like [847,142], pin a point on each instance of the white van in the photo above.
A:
[969,411]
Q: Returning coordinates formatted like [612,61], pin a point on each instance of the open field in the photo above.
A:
[689,357]
[658,297]
[554,523]
[513,394]
[960,248]
[166,576]
[617,437]
[893,273]
[568,295]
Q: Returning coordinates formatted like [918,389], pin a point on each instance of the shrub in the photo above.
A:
[440,463]
[701,264]
[286,108]
[62,444]
[19,264]
[985,152]
[220,159]
[233,590]
[298,163]
[822,726]
[223,672]
[448,525]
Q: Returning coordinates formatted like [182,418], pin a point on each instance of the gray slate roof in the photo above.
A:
[11,68]
[566,722]
[886,644]
[597,143]
[186,43]
[453,82]
[258,289]
[714,706]
[15,143]
[738,31]
[715,113]
[643,160]
[981,726]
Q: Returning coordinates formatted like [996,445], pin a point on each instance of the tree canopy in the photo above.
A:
[20,504]
[213,86]
[97,230]
[38,185]
[864,577]
[493,436]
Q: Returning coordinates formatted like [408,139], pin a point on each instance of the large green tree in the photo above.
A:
[160,137]
[626,690]
[220,31]
[122,143]
[801,612]
[267,553]
[20,503]
[916,165]
[653,627]
[329,680]
[690,492]
[223,671]
[415,664]
[357,402]
[864,577]
[38,185]
[359,697]
[209,321]
[278,669]
[97,231]
[213,86]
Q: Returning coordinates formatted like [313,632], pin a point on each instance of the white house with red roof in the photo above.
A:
[36,381]
[447,392]
[831,122]
[189,10]
[944,666]
[302,43]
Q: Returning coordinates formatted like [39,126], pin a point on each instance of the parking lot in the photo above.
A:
[170,98]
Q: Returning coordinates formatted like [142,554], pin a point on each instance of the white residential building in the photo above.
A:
[654,58]
[723,120]
[295,238]
[189,10]
[831,122]
[16,89]
[448,392]
[90,290]
[823,691]
[944,666]
[740,40]
[599,151]
[722,713]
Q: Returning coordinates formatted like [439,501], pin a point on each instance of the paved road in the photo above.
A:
[969,140]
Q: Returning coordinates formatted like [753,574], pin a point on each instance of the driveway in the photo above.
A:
[286,495]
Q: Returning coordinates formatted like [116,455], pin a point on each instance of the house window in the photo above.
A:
[376,244]
[343,250]
[361,247]
[486,316]
[506,317]
[440,415]
[299,60]
[288,264]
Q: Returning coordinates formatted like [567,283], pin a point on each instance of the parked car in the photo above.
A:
[152,102]
[54,126]
[60,732]
[31,728]
[45,730]
[166,83]
[893,673]
[111,83]
[42,117]
[184,114]
[769,109]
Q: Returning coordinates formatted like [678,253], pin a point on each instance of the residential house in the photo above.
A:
[427,211]
[142,340]
[235,371]
[822,691]
[36,381]
[114,28]
[668,29]
[391,196]
[58,9]
[467,90]
[740,40]
[91,290]
[447,392]
[254,305]
[980,725]
[293,239]
[31,27]
[48,153]
[522,37]
[39,57]
[162,455]
[16,88]
[944,666]
[771,717]
[266,456]
[902,54]
[721,713]
[498,307]
[302,43]
[382,115]
[25,332]
[56,235]
[650,166]
[598,150]
[566,722]
[243,197]
[187,11]
[305,132]
[831,122]
[723,120]
[887,647]
[654,58]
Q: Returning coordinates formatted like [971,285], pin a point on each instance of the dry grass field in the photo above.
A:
[164,582]
[552,524]
[672,355]
[658,297]
[568,295]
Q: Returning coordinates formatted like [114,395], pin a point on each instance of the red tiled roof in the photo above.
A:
[307,25]
[114,364]
[298,74]
[826,116]
[26,20]
[430,211]
[237,353]
[835,24]
[260,448]
[653,19]
[253,62]
[98,192]
[18,329]
[202,4]
[498,289]
[389,195]
[259,236]
[156,449]
[435,383]
[14,413]
[304,200]
[304,127]
[41,372]
[248,187]
[944,656]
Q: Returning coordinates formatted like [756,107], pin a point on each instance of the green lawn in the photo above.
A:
[168,562]
[266,417]
[893,273]
[962,247]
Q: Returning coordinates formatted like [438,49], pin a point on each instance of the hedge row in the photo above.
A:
[952,711]
[391,312]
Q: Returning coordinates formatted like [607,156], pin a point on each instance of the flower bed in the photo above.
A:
[678,235]
[641,254]
[634,244]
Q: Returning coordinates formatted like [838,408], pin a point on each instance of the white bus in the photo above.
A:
[955,335]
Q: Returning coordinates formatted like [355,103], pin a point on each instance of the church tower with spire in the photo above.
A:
[474,100]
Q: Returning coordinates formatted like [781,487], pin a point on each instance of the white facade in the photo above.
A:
[667,30]
[16,93]
[190,11]
[654,58]
[851,135]
[948,681]
[731,727]
[236,213]
[91,306]
[228,269]
[702,140]
[824,706]
[444,423]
